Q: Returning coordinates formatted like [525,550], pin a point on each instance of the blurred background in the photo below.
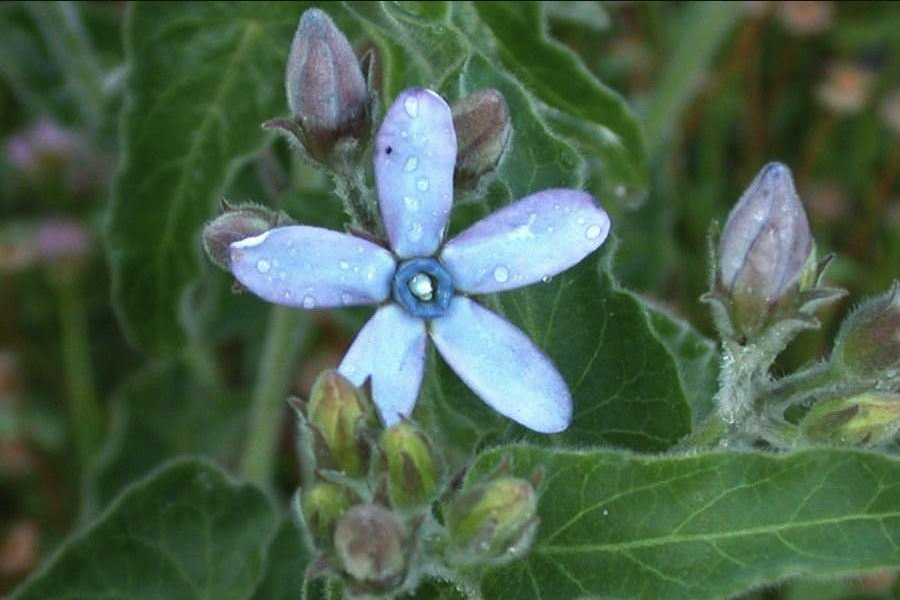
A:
[720,88]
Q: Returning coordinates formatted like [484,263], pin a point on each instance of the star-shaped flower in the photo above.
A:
[422,284]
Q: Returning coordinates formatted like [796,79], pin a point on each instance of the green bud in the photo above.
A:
[868,343]
[413,471]
[234,224]
[493,519]
[338,410]
[323,504]
[482,129]
[867,419]
[370,543]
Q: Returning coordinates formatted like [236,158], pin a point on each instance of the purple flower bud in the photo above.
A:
[235,224]
[370,543]
[326,90]
[338,411]
[482,129]
[868,343]
[62,239]
[765,247]
[867,419]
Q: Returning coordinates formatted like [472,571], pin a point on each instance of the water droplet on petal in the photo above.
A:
[263,266]
[282,276]
[546,278]
[422,184]
[580,220]
[501,273]
[593,232]
[309,302]
[411,104]
[411,203]
[345,298]
[345,265]
[287,294]
[415,232]
[411,163]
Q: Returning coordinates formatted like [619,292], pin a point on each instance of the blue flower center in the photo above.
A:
[423,287]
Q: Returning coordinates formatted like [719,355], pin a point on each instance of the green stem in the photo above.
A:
[799,386]
[283,338]
[86,415]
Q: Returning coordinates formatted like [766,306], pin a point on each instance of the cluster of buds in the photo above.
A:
[368,494]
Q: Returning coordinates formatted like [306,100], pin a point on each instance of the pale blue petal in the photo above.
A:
[502,366]
[391,350]
[536,237]
[414,158]
[312,267]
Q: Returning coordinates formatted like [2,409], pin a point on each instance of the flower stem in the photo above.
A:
[800,386]
[85,414]
[284,334]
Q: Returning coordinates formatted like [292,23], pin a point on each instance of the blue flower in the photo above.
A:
[422,284]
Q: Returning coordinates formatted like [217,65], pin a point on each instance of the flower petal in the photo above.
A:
[414,158]
[312,267]
[503,366]
[538,236]
[390,349]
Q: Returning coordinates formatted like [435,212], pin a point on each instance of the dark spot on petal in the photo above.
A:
[389,150]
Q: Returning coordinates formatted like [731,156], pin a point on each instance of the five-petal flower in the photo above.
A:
[422,283]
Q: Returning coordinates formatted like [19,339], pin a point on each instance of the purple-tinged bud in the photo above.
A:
[323,504]
[867,419]
[234,224]
[868,344]
[765,249]
[482,126]
[413,466]
[493,520]
[62,239]
[370,543]
[339,412]
[326,89]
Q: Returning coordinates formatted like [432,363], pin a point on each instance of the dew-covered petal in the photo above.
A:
[391,350]
[503,366]
[312,267]
[414,158]
[537,237]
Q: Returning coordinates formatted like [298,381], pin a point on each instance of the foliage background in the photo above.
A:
[171,357]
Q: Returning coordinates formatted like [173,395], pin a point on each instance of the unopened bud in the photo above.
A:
[867,419]
[323,504]
[868,343]
[235,224]
[370,543]
[482,129]
[326,90]
[413,472]
[338,411]
[765,248]
[493,520]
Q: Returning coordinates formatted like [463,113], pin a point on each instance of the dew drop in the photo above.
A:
[411,163]
[345,298]
[309,302]
[580,220]
[501,273]
[415,232]
[344,265]
[605,512]
[422,184]
[411,104]
[263,266]
[403,134]
[411,203]
[546,278]
[287,294]
[282,276]
[593,232]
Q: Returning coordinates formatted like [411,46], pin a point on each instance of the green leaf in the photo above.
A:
[615,525]
[159,413]
[202,77]
[187,532]
[285,566]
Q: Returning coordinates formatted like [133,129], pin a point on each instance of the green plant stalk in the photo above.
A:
[86,416]
[284,335]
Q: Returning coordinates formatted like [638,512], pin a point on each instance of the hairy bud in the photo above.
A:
[413,471]
[866,419]
[323,504]
[868,343]
[338,410]
[482,129]
[370,543]
[234,224]
[326,89]
[493,520]
[765,248]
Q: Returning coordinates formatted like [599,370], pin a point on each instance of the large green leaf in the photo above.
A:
[615,525]
[185,533]
[202,77]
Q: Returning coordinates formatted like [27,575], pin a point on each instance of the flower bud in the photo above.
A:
[326,90]
[864,420]
[338,411]
[235,224]
[413,472]
[493,519]
[482,129]
[323,504]
[868,343]
[765,248]
[370,544]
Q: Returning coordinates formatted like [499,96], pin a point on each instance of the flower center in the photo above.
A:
[423,287]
